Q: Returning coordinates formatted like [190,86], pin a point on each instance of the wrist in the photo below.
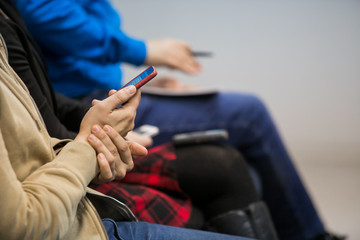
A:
[81,137]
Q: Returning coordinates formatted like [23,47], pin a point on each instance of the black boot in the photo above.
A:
[252,222]
[329,236]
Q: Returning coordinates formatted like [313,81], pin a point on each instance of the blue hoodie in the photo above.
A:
[82,42]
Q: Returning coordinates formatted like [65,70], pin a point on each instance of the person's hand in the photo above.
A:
[106,112]
[145,141]
[171,53]
[114,154]
[131,136]
[111,147]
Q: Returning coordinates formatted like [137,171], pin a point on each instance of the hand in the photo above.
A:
[145,141]
[106,112]
[114,154]
[171,53]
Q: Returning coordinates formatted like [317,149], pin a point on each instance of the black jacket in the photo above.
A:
[62,115]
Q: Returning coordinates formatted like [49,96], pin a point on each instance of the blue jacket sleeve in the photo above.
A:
[70,28]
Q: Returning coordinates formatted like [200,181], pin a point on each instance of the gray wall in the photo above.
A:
[301,57]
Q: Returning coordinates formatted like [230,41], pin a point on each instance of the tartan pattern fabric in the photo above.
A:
[151,189]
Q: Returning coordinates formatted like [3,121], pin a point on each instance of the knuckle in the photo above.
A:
[101,135]
[111,160]
[97,143]
[120,96]
[128,114]
[131,125]
[130,165]
[121,173]
[110,132]
[123,147]
[107,178]
[100,105]
[114,152]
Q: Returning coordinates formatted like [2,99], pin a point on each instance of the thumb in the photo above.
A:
[120,97]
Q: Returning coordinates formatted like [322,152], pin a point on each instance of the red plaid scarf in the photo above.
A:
[151,189]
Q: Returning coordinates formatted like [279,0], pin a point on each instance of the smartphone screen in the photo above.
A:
[143,77]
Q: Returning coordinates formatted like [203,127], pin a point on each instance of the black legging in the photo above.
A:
[216,177]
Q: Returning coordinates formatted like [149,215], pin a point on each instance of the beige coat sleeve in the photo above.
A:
[45,204]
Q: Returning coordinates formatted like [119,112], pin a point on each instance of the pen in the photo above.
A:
[201,54]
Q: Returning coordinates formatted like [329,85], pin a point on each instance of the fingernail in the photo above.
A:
[96,128]
[130,89]
[91,137]
[106,128]
[101,156]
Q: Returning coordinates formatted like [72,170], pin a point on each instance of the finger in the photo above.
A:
[188,63]
[111,146]
[106,174]
[133,102]
[112,91]
[182,46]
[94,101]
[120,97]
[137,150]
[192,67]
[108,148]
[128,110]
[105,139]
[122,146]
[179,61]
[100,147]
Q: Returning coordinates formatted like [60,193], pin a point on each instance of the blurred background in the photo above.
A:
[301,57]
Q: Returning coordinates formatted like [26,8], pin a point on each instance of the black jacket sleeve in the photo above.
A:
[70,112]
[62,116]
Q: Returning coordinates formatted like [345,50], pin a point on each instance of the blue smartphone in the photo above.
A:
[142,78]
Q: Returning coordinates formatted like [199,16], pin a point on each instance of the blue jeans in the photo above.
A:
[253,132]
[142,230]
